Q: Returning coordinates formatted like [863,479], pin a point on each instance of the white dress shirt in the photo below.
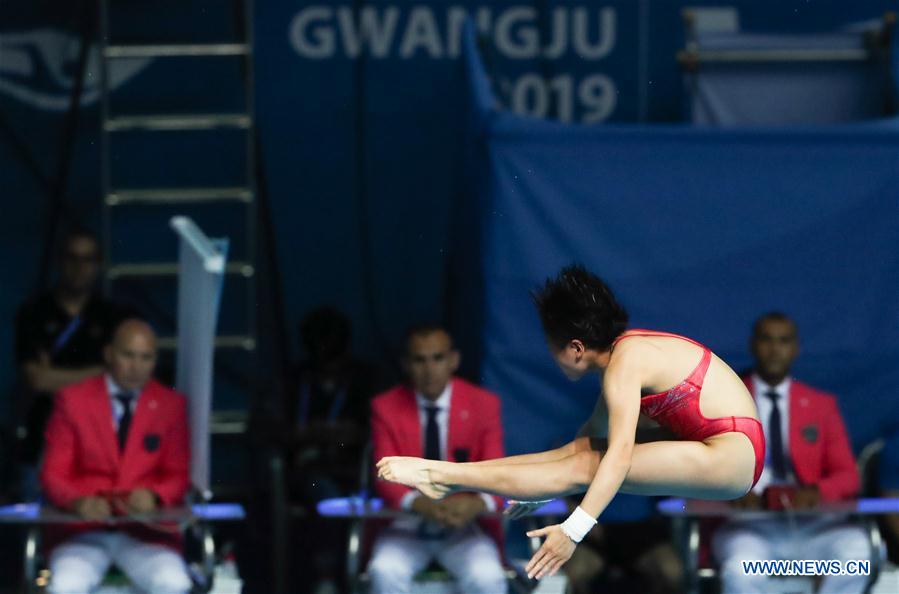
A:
[760,388]
[443,406]
[117,409]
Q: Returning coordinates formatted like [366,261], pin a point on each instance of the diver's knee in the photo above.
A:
[583,467]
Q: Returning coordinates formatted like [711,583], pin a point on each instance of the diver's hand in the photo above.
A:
[552,554]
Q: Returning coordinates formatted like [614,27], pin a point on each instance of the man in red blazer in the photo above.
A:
[118,443]
[442,417]
[807,450]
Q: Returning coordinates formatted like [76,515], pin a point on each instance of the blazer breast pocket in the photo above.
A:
[152,443]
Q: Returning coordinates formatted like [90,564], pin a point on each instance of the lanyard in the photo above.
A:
[306,397]
[65,335]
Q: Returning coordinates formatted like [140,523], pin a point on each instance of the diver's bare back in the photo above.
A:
[667,360]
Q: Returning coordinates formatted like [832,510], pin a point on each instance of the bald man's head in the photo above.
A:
[131,356]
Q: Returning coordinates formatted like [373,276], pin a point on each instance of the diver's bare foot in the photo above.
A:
[412,472]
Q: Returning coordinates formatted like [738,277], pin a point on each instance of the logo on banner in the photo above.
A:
[585,33]
[38,69]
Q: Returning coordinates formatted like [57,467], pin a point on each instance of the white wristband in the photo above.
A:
[578,524]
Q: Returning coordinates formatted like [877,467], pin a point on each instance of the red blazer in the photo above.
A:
[82,457]
[475,426]
[819,446]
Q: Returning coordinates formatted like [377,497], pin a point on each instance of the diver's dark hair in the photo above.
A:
[579,305]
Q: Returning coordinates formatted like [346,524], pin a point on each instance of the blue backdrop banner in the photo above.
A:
[360,111]
[699,232]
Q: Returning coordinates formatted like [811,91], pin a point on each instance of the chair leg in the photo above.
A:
[280,521]
[877,545]
[208,544]
[353,555]
[686,531]
[30,568]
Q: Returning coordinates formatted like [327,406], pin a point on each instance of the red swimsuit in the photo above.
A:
[677,409]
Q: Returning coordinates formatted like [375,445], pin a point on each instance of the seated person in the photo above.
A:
[329,408]
[118,443]
[436,416]
[328,430]
[60,336]
[888,479]
[807,450]
[635,556]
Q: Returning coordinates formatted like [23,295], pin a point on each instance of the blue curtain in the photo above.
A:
[699,231]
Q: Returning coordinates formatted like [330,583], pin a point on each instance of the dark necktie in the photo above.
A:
[775,439]
[432,530]
[432,434]
[125,399]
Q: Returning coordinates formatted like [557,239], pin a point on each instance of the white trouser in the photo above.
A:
[78,565]
[468,554]
[821,537]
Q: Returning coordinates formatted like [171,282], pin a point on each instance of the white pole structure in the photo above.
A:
[201,271]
